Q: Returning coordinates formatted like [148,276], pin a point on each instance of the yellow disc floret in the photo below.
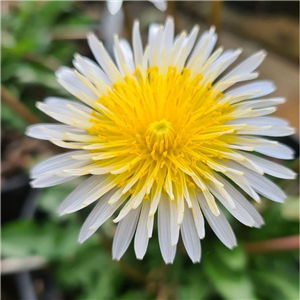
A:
[163,130]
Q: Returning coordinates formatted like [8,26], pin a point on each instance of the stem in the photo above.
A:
[127,21]
[215,14]
[274,245]
[171,11]
[70,34]
[162,288]
[18,107]
[48,62]
[132,273]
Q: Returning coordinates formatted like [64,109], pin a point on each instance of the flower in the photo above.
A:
[164,130]
[115,5]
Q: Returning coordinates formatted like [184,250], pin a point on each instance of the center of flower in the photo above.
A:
[160,136]
[160,127]
[159,117]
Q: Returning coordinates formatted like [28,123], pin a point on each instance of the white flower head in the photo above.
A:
[164,132]
[115,5]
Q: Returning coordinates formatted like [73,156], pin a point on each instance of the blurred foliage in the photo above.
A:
[32,48]
[35,42]
[87,272]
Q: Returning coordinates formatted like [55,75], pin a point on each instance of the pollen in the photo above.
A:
[160,136]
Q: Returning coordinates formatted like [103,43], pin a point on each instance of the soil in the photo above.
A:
[18,153]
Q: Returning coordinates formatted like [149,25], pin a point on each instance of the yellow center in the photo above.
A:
[160,137]
[166,128]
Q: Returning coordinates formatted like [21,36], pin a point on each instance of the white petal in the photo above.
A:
[177,49]
[242,201]
[265,187]
[164,231]
[88,190]
[203,48]
[260,103]
[120,59]
[64,116]
[124,233]
[68,76]
[259,121]
[249,163]
[76,113]
[54,162]
[219,224]
[141,237]
[260,183]
[160,4]
[214,56]
[41,131]
[152,33]
[242,183]
[198,218]
[64,104]
[272,168]
[223,62]
[260,88]
[267,147]
[173,222]
[114,6]
[127,52]
[190,237]
[155,46]
[150,223]
[137,44]
[104,59]
[90,69]
[274,131]
[49,179]
[245,113]
[182,48]
[168,35]
[221,86]
[238,212]
[109,25]
[67,145]
[59,131]
[191,38]
[277,151]
[99,215]
[125,210]
[247,66]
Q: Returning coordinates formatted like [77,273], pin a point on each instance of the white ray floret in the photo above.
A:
[115,5]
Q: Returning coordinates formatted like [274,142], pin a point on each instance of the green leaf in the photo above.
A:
[50,240]
[283,287]
[22,238]
[230,286]
[84,268]
[135,295]
[10,119]
[28,74]
[105,285]
[50,198]
[226,269]
[234,259]
[290,208]
[194,285]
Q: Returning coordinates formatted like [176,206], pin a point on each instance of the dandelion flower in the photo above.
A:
[163,131]
[115,5]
